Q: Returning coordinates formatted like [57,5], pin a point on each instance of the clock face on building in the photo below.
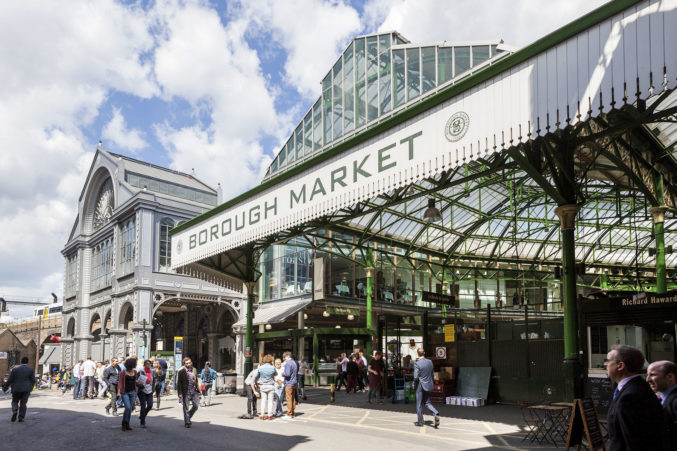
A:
[103,209]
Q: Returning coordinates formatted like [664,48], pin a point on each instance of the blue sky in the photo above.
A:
[186,84]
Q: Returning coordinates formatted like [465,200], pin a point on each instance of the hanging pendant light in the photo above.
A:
[432,214]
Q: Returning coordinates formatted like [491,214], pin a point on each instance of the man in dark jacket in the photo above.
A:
[662,378]
[110,376]
[635,418]
[187,387]
[22,381]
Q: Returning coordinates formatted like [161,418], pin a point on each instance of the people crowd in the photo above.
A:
[642,413]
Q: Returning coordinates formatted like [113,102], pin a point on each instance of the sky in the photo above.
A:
[210,86]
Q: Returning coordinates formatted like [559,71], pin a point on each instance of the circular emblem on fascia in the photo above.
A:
[457,126]
[179,246]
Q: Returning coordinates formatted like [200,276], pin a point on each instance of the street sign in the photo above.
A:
[3,356]
[429,296]
[178,352]
[441,352]
[449,333]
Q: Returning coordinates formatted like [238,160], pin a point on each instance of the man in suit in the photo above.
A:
[22,381]
[423,378]
[635,418]
[662,378]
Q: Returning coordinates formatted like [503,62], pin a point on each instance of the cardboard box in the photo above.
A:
[464,401]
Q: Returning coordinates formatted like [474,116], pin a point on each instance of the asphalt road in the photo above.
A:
[56,422]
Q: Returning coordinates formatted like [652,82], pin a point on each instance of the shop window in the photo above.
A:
[598,340]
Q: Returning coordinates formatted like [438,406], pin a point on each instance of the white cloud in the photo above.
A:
[214,69]
[60,60]
[312,32]
[517,22]
[116,131]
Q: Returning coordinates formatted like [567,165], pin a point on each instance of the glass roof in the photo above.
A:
[376,76]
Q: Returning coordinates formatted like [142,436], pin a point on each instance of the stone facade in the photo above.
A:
[121,298]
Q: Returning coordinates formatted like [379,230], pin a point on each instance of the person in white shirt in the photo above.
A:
[100,368]
[89,370]
[77,380]
[301,376]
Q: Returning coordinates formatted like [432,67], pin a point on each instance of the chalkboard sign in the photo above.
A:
[583,423]
[474,381]
[601,390]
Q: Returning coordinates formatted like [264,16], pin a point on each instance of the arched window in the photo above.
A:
[165,260]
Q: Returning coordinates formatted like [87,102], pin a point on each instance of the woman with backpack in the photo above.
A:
[207,376]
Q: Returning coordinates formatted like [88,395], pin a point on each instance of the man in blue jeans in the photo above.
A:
[77,380]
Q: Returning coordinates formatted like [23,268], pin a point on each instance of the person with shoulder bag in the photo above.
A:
[145,391]
[188,390]
[127,385]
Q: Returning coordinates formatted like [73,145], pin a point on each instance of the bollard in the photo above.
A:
[333,393]
[303,393]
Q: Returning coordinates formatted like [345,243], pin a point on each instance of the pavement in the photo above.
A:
[59,422]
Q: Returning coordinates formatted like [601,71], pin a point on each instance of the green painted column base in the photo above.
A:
[573,379]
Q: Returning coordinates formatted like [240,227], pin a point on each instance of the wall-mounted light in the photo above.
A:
[305,316]
[338,326]
[268,327]
[325,314]
[351,317]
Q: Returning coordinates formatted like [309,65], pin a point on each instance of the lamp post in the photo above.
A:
[145,338]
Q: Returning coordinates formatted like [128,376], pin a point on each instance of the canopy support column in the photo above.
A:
[658,214]
[572,367]
[249,337]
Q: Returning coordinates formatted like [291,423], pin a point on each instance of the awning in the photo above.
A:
[275,312]
[52,355]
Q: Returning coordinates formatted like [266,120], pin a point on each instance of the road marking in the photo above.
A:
[318,411]
[364,417]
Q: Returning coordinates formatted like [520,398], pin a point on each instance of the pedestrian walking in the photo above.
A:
[127,386]
[303,370]
[112,375]
[145,392]
[21,380]
[252,395]
[208,375]
[186,386]
[635,418]
[89,372]
[101,383]
[163,365]
[266,373]
[66,380]
[77,379]
[158,382]
[423,379]
[289,374]
[352,372]
[279,387]
[662,378]
[343,380]
[375,370]
[361,370]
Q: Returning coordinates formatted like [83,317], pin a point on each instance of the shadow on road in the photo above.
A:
[46,428]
